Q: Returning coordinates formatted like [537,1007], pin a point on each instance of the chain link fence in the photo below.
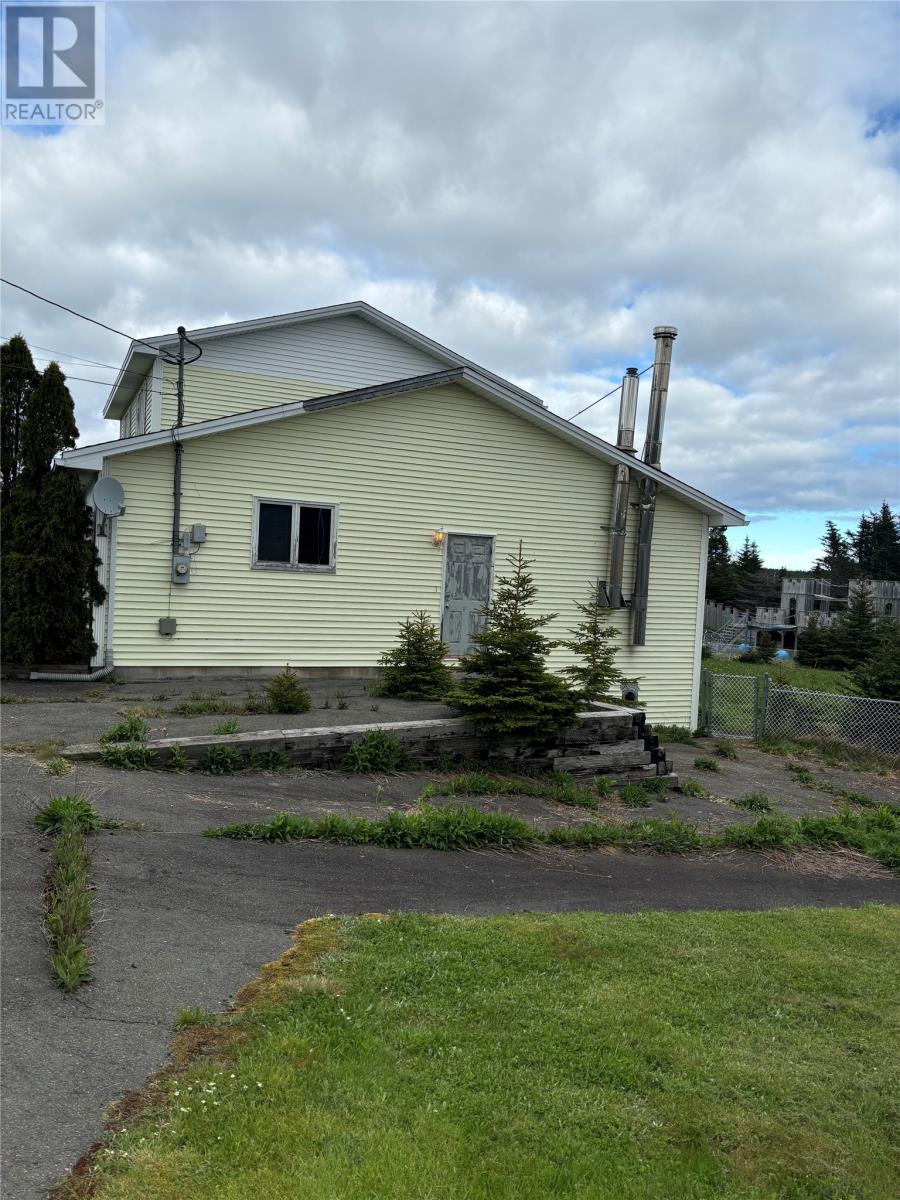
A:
[729,704]
[752,706]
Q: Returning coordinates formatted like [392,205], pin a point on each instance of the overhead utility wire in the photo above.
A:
[80,378]
[64,355]
[599,398]
[75,313]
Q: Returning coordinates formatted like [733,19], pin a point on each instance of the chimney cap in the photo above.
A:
[665,331]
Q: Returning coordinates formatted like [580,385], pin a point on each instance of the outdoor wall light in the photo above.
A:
[437,538]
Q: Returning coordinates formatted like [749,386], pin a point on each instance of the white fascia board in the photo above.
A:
[145,441]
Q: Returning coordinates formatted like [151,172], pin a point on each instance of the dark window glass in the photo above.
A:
[274,540]
[315,537]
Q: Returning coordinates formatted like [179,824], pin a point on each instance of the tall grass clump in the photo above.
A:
[67,908]
[132,756]
[378,750]
[131,728]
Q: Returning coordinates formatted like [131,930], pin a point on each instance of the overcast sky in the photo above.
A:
[534,185]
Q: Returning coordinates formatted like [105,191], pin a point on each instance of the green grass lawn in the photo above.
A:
[647,1057]
[812,679]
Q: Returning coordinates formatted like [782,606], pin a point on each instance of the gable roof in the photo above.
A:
[91,458]
[139,357]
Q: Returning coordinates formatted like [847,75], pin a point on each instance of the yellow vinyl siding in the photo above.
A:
[399,468]
[213,393]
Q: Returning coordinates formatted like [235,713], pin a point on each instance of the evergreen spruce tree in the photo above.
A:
[592,640]
[813,644]
[853,633]
[49,581]
[506,687]
[837,561]
[18,379]
[720,575]
[879,675]
[884,545]
[415,669]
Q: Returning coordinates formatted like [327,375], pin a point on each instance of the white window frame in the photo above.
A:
[293,565]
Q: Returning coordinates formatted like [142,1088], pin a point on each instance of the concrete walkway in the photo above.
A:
[185,921]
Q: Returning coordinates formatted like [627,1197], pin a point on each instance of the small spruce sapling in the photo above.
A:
[414,669]
[592,639]
[506,687]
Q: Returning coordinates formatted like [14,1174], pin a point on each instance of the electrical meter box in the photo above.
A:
[181,568]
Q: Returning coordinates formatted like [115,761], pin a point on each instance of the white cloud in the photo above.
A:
[535,185]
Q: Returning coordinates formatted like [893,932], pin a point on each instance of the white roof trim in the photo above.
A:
[354,308]
[92,457]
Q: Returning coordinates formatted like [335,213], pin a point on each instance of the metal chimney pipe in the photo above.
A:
[665,335]
[619,513]
[628,410]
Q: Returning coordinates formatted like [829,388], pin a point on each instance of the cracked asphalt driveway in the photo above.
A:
[184,921]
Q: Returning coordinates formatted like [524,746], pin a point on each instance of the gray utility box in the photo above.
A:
[167,626]
[181,568]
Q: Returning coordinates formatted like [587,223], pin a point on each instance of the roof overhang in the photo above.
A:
[138,361]
[91,458]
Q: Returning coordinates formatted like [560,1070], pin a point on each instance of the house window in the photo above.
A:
[296,535]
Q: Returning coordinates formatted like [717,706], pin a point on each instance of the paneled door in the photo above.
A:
[467,588]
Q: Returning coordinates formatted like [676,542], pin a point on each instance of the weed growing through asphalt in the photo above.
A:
[225,727]
[690,787]
[557,785]
[658,787]
[604,786]
[834,753]
[67,898]
[221,760]
[201,704]
[800,774]
[705,764]
[806,779]
[633,795]
[875,832]
[725,748]
[131,729]
[192,1016]
[378,750]
[178,760]
[14,698]
[755,802]
[141,710]
[133,756]
[675,733]
[64,811]
[57,765]
[267,760]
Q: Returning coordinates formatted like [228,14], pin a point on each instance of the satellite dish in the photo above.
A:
[109,497]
